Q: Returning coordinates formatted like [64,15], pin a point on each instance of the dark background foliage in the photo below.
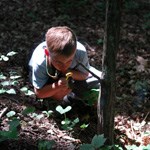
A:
[24,23]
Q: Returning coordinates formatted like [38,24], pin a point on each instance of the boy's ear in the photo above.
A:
[46,52]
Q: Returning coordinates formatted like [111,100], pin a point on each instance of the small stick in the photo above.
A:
[3,112]
[146,116]
[93,74]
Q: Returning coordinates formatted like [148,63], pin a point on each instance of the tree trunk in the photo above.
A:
[108,86]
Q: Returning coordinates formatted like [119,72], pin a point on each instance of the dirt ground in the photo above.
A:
[22,29]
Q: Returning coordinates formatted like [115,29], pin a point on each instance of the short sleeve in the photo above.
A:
[37,65]
[39,76]
[84,60]
[82,57]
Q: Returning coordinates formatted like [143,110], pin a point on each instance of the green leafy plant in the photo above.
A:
[97,142]
[36,116]
[62,110]
[83,126]
[26,91]
[12,133]
[100,41]
[6,84]
[28,110]
[10,91]
[31,112]
[2,77]
[6,57]
[67,124]
[45,145]
[12,81]
[91,96]
[47,113]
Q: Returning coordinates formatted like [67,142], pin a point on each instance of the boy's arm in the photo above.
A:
[56,90]
[46,91]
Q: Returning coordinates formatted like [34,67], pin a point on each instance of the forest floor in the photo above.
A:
[23,28]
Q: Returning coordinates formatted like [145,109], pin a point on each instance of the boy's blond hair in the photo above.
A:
[61,40]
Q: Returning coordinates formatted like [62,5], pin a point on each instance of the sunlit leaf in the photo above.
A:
[39,116]
[11,91]
[33,115]
[14,77]
[2,77]
[66,122]
[63,111]
[5,58]
[2,91]
[83,126]
[76,120]
[11,53]
[5,83]
[10,114]
[24,89]
[14,82]
[116,147]
[29,92]
[48,113]
[59,109]
[147,133]
[131,147]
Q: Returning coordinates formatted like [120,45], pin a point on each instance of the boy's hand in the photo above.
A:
[63,82]
[62,88]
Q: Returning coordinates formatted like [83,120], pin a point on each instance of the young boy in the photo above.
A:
[53,59]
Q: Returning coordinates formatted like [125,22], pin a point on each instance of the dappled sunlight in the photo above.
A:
[134,129]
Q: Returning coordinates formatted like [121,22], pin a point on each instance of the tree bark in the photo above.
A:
[108,86]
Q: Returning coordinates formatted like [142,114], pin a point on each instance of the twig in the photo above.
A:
[3,112]
[93,74]
[133,133]
[146,116]
[71,139]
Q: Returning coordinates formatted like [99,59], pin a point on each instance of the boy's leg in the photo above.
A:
[87,90]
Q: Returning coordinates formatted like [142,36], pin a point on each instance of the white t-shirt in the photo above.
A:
[37,64]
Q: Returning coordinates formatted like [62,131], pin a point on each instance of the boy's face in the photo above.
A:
[62,63]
